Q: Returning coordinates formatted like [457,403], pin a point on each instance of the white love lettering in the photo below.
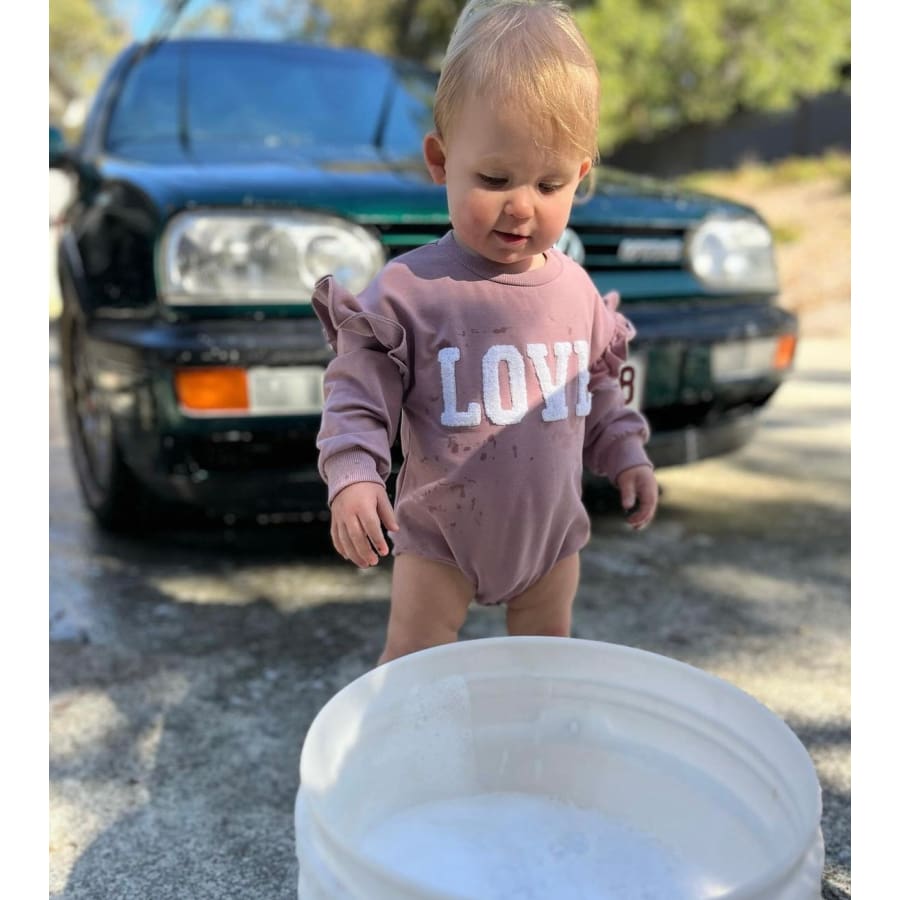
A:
[490,372]
[554,392]
[583,404]
[506,360]
[448,358]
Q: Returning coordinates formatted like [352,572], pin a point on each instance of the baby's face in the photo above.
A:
[509,200]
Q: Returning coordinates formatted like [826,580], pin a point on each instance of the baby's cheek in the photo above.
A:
[559,211]
[481,207]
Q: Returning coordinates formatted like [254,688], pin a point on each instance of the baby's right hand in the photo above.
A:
[357,514]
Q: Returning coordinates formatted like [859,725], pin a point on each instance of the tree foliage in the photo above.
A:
[411,29]
[84,36]
[216,19]
[664,63]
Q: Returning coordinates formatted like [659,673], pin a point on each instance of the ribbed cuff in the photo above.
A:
[349,467]
[625,453]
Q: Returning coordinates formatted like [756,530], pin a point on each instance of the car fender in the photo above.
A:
[70,272]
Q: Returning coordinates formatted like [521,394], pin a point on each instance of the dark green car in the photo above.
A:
[216,180]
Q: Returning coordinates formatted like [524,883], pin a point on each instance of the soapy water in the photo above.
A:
[513,846]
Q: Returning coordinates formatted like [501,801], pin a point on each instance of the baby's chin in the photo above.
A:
[517,256]
[520,262]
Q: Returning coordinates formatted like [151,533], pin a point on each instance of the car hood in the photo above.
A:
[370,189]
[624,199]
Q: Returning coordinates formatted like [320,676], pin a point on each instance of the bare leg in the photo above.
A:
[429,602]
[546,607]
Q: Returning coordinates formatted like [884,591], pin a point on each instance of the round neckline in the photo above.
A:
[494,271]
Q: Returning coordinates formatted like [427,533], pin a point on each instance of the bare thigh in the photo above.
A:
[546,607]
[429,602]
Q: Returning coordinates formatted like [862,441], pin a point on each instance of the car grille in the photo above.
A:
[607,247]
[399,239]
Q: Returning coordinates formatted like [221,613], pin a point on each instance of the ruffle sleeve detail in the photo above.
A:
[363,386]
[615,434]
[348,325]
[616,353]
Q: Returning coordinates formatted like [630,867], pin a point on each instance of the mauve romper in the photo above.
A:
[502,387]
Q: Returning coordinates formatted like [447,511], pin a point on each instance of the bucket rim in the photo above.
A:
[791,857]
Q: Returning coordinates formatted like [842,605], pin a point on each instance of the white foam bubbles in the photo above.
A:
[513,846]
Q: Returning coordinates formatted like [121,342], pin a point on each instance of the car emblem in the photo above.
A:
[570,244]
[650,249]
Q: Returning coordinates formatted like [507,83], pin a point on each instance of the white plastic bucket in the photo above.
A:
[663,748]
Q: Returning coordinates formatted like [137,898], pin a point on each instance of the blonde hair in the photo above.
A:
[528,53]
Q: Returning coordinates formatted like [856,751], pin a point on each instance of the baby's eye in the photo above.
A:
[492,181]
[548,188]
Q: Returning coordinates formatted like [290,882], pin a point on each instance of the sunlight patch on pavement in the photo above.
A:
[85,721]
[147,744]
[82,719]
[740,486]
[81,809]
[787,689]
[745,584]
[94,745]
[287,588]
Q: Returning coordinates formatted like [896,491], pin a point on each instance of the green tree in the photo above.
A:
[84,36]
[664,63]
[216,19]
[411,29]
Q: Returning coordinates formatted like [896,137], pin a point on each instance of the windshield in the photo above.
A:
[237,99]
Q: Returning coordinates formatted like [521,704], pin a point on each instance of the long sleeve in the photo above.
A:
[363,388]
[615,434]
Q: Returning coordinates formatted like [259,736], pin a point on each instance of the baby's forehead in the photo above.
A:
[525,145]
[496,127]
[550,159]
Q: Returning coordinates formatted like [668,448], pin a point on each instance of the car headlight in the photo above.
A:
[733,254]
[265,257]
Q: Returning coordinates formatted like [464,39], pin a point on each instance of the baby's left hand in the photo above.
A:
[640,494]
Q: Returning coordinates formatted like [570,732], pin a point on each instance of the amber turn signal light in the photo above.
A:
[784,351]
[207,390]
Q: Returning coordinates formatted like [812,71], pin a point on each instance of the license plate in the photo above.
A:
[285,390]
[736,360]
[632,376]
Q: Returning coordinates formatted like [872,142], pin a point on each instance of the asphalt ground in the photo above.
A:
[187,665]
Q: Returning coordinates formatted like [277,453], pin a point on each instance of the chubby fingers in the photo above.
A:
[356,516]
[640,495]
[386,514]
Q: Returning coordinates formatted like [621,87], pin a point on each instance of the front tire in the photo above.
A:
[107,485]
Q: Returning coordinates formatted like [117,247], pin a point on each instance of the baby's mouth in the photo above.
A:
[511,238]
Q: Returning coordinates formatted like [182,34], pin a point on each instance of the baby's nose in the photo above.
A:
[519,205]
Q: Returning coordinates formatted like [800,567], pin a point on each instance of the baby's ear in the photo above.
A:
[435,157]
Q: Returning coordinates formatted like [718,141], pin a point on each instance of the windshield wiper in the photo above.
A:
[384,114]
[168,19]
[159,35]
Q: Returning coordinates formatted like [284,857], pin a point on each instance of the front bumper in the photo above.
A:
[265,464]
[692,413]
[245,465]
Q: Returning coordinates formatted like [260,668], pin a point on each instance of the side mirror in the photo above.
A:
[58,149]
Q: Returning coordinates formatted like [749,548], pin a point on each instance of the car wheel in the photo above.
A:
[109,488]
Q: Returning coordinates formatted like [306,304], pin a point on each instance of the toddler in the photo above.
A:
[489,350]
